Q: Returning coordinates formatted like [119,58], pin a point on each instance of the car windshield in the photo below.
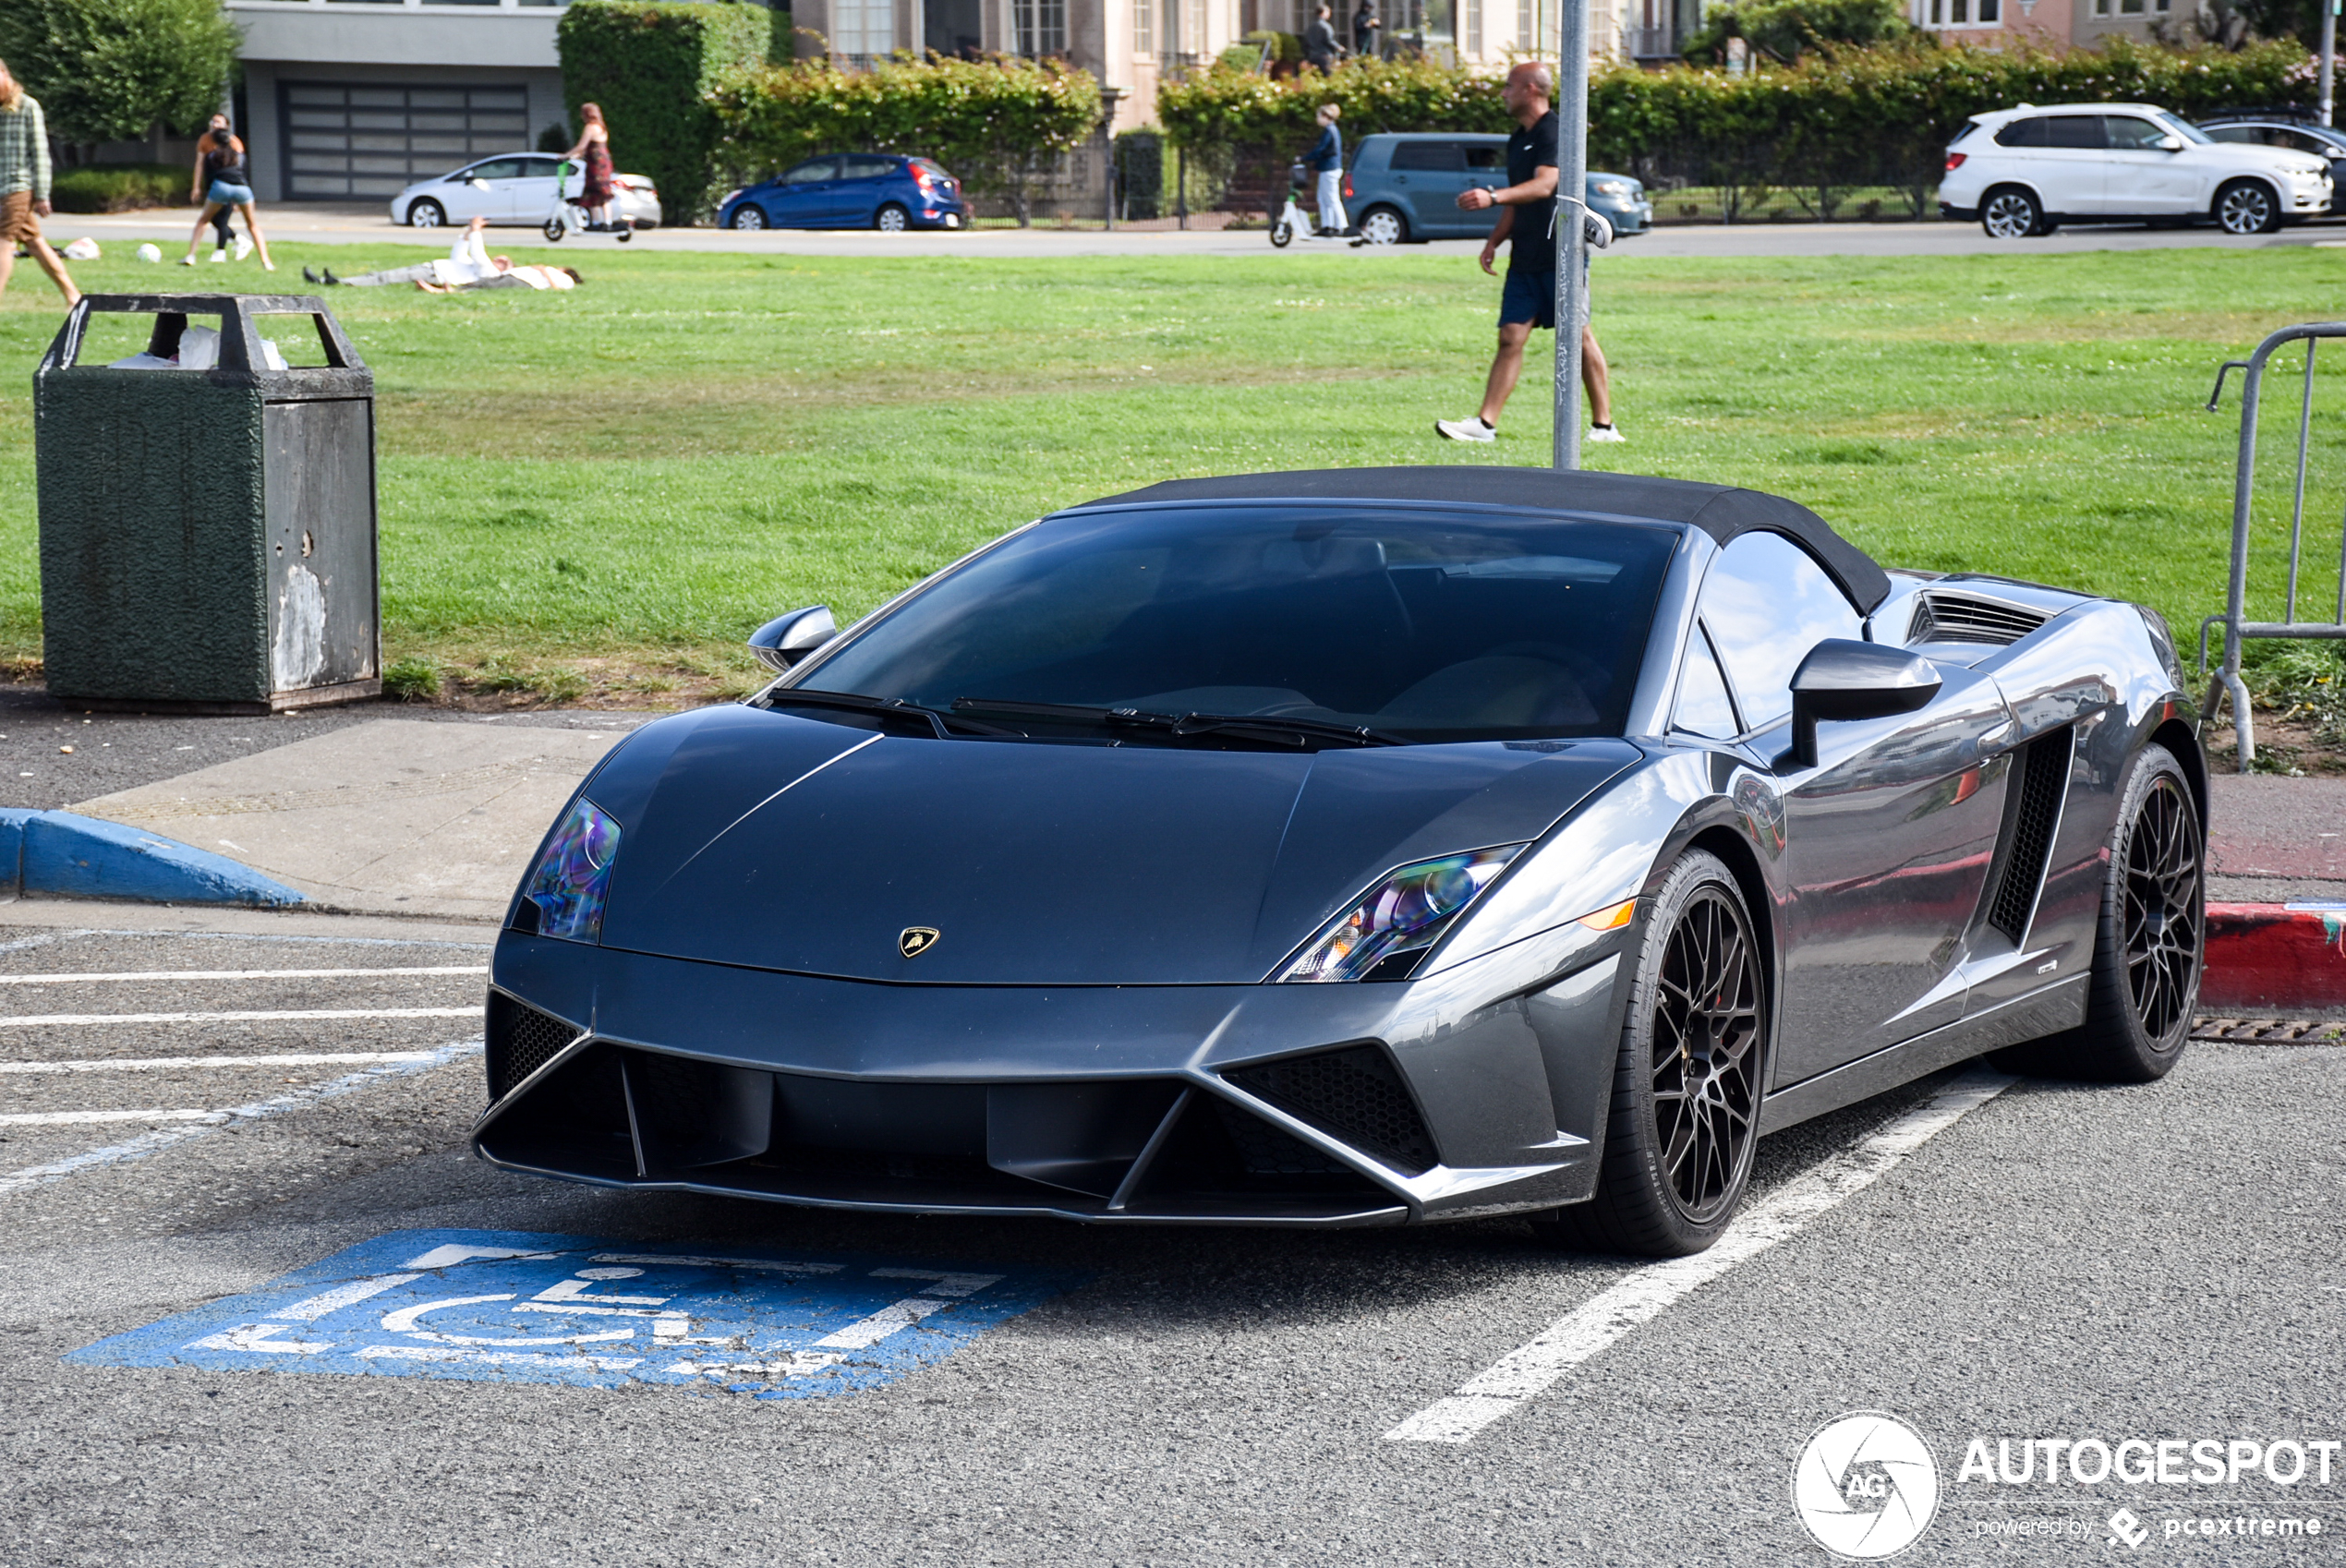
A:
[1418,624]
[2183,129]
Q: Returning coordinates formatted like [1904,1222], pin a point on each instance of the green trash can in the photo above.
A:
[208,538]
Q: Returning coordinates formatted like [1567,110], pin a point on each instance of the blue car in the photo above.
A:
[850,191]
[1404,185]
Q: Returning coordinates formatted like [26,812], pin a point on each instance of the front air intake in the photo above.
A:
[1953,618]
[2043,777]
[521,1040]
[1354,1095]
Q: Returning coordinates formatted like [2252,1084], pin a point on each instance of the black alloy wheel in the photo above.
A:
[2150,945]
[2247,207]
[1684,1113]
[2011,213]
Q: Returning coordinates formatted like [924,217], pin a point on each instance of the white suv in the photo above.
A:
[2027,170]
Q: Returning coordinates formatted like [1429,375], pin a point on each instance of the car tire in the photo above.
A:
[748,217]
[1385,225]
[426,213]
[2246,206]
[1679,1136]
[2150,943]
[2010,213]
[893,218]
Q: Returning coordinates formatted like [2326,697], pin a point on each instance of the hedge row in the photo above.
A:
[119,187]
[1880,116]
[999,124]
[651,65]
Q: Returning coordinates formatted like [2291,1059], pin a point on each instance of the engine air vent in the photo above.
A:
[2043,769]
[521,1040]
[1353,1096]
[1952,617]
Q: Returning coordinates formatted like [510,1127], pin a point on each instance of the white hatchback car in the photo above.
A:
[512,187]
[2027,171]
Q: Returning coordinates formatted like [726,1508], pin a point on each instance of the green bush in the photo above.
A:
[997,123]
[1787,29]
[1838,117]
[118,187]
[651,65]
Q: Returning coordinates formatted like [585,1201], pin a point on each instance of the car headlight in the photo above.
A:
[1382,937]
[1618,188]
[571,878]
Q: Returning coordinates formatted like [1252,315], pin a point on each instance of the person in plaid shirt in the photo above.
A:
[24,186]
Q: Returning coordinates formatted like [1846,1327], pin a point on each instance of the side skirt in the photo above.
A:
[2058,1006]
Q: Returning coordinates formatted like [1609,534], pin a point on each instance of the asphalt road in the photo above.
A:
[2061,1263]
[363,226]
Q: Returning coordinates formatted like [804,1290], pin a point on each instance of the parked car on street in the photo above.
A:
[1404,186]
[850,191]
[512,187]
[2293,129]
[2027,171]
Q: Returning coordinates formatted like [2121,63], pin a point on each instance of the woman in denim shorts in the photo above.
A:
[227,184]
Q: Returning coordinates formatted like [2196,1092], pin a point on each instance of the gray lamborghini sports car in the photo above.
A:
[1355,848]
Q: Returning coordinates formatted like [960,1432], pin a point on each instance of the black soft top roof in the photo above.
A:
[1719,511]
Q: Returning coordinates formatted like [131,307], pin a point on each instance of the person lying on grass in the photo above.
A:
[468,266]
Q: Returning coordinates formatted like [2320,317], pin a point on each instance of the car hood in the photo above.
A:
[770,840]
[2283,159]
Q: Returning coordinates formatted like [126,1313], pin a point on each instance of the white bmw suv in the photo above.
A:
[2027,171]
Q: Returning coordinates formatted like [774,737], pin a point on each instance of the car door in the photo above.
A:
[1427,176]
[2060,157]
[1887,838]
[1486,169]
[491,182]
[466,194]
[2146,176]
[534,187]
[800,196]
[861,187]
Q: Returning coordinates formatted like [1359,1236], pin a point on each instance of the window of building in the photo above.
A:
[1474,27]
[1042,27]
[1143,28]
[863,30]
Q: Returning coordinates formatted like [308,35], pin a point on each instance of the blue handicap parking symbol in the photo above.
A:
[516,1307]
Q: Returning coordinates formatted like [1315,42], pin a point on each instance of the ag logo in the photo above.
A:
[914,940]
[1865,1486]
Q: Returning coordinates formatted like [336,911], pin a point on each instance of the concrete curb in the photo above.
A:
[2275,958]
[61,854]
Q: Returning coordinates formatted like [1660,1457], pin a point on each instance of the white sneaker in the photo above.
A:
[221,255]
[1465,431]
[1605,433]
[243,247]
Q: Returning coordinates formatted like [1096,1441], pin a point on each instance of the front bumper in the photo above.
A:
[1308,1106]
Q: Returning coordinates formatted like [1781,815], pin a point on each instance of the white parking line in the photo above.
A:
[153,1142]
[125,977]
[167,1064]
[1613,1314]
[292,1016]
[80,1119]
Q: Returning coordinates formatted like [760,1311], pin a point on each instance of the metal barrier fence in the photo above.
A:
[2238,628]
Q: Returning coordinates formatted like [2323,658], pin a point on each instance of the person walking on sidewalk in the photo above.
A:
[1320,47]
[24,186]
[1327,157]
[593,152]
[222,174]
[1527,228]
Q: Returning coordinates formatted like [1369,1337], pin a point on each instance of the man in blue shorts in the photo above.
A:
[1527,227]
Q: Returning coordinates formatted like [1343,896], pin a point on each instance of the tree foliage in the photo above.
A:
[109,70]
[651,65]
[997,123]
[1785,30]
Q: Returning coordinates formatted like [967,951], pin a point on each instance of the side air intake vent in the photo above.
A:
[521,1040]
[1949,618]
[1353,1096]
[2043,769]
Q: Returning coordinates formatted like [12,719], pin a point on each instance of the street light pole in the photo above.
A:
[2329,51]
[1572,179]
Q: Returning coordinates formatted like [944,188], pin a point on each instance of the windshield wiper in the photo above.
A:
[933,719]
[1268,726]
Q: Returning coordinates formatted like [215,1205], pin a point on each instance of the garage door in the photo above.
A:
[346,140]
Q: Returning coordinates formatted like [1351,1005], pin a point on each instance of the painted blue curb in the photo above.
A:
[65,855]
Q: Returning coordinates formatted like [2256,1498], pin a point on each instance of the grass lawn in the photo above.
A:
[602,492]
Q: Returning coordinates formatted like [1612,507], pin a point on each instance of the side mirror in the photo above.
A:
[2170,143]
[1844,680]
[787,639]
